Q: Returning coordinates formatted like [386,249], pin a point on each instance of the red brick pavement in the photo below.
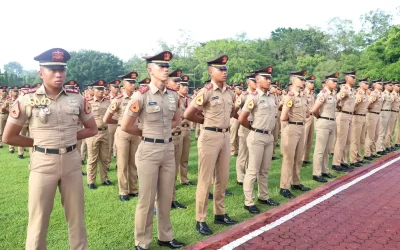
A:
[364,216]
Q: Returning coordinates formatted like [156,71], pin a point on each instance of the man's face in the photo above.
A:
[330,84]
[310,85]
[396,88]
[158,72]
[273,90]
[14,93]
[114,90]
[184,89]
[91,92]
[219,75]
[378,86]
[389,87]
[98,92]
[2,93]
[364,86]
[54,78]
[350,80]
[130,87]
[251,84]
[238,91]
[264,82]
[173,84]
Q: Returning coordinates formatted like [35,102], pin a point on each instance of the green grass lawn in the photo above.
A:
[110,222]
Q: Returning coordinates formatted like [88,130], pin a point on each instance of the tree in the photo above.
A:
[343,38]
[13,68]
[374,25]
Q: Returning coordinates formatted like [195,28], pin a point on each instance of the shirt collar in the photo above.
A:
[259,91]
[154,89]
[215,86]
[329,92]
[42,91]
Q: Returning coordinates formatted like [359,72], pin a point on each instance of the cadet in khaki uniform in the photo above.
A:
[13,96]
[324,110]
[346,100]
[3,114]
[234,124]
[174,79]
[385,117]
[216,100]
[358,127]
[126,143]
[260,141]
[88,95]
[395,107]
[25,129]
[275,90]
[98,145]
[52,113]
[393,117]
[375,103]
[155,106]
[112,128]
[295,111]
[309,127]
[243,155]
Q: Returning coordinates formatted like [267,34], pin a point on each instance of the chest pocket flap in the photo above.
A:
[72,110]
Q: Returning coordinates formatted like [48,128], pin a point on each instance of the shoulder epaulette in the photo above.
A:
[208,86]
[118,96]
[290,93]
[254,93]
[143,89]
[107,97]
[89,99]
[169,88]
[72,91]
[245,93]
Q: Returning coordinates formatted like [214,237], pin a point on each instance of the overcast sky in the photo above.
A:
[128,27]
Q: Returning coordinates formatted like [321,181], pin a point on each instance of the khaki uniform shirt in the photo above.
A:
[396,101]
[263,108]
[328,103]
[297,104]
[118,105]
[155,110]
[240,102]
[183,103]
[346,99]
[376,101]
[361,107]
[57,129]
[310,99]
[387,100]
[99,107]
[217,105]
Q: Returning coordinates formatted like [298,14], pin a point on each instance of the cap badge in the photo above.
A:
[57,55]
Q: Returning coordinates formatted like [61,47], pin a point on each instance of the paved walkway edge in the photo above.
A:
[237,230]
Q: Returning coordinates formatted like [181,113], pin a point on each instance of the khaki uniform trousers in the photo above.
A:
[398,129]
[292,144]
[214,156]
[233,133]
[308,137]
[177,140]
[184,161]
[358,128]
[199,127]
[336,135]
[243,155]
[372,134]
[283,125]
[112,128]
[277,131]
[260,155]
[83,150]
[343,138]
[47,172]
[384,122]
[24,132]
[325,135]
[390,130]
[97,147]
[3,121]
[156,169]
[127,146]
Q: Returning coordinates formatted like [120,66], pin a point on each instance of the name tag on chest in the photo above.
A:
[214,97]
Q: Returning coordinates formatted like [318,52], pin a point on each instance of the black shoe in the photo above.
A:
[239,183]
[140,248]
[107,183]
[189,183]
[1,146]
[12,151]
[134,195]
[340,169]
[376,156]
[83,174]
[108,169]
[344,165]
[203,228]
[83,162]
[91,186]
[356,164]
[177,205]
[286,193]
[224,220]
[210,196]
[20,157]
[171,244]
[306,162]
[269,202]
[116,166]
[277,145]
[319,178]
[380,153]
[227,193]
[124,197]
[362,162]
[387,151]
[397,145]
[252,209]
[274,158]
[328,175]
[301,187]
[368,158]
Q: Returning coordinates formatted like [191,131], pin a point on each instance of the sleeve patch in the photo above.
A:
[134,107]
[113,106]
[289,103]
[250,105]
[143,89]
[15,110]
[199,100]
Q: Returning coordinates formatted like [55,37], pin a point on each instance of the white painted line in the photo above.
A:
[304,208]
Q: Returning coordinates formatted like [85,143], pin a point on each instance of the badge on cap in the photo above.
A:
[134,107]
[57,55]
[199,100]
[167,56]
[224,59]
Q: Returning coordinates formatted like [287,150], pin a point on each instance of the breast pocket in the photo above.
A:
[216,106]
[153,113]
[72,114]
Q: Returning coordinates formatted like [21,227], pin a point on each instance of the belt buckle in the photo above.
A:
[224,130]
[62,151]
[166,140]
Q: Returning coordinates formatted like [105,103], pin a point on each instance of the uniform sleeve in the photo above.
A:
[85,110]
[321,98]
[288,101]
[240,101]
[372,98]
[343,93]
[114,106]
[249,104]
[201,99]
[135,105]
[17,112]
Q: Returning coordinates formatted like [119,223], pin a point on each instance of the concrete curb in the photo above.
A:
[237,231]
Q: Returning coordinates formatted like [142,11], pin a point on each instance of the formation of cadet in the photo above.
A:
[147,130]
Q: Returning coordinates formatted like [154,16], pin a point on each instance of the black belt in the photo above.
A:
[54,151]
[102,129]
[261,131]
[156,140]
[361,114]
[395,111]
[222,130]
[327,118]
[385,110]
[176,133]
[297,123]
[185,125]
[350,113]
[374,112]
